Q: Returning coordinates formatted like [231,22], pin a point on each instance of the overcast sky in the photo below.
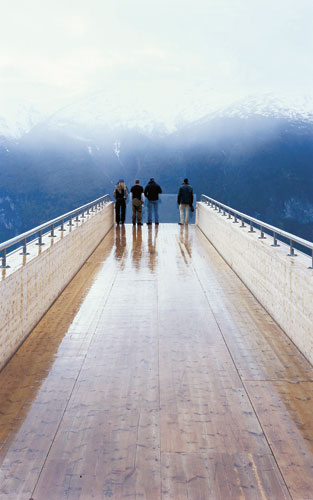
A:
[53,51]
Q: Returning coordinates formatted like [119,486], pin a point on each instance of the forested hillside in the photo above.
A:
[259,163]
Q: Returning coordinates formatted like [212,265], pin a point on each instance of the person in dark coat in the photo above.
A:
[120,194]
[185,201]
[152,191]
[137,199]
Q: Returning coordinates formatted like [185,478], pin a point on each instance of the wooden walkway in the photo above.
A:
[156,375]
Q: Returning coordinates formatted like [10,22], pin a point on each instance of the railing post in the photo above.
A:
[292,250]
[40,243]
[77,219]
[262,237]
[251,230]
[52,235]
[70,221]
[4,260]
[311,267]
[242,222]
[275,244]
[62,226]
[24,252]
[235,217]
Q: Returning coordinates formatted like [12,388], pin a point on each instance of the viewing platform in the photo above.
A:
[156,374]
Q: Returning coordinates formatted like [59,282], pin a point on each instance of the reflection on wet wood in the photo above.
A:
[285,413]
[221,475]
[156,375]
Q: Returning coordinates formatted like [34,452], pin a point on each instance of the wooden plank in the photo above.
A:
[25,452]
[35,386]
[136,384]
[260,349]
[220,476]
[211,442]
[110,432]
[285,412]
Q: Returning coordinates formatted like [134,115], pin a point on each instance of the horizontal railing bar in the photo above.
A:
[45,225]
[263,225]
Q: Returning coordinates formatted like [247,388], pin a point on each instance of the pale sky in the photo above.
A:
[54,51]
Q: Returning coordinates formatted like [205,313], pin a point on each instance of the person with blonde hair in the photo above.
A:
[120,194]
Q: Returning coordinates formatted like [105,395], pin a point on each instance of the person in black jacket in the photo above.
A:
[152,191]
[185,201]
[137,199]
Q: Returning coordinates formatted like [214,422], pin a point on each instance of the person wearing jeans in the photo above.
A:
[152,191]
[153,205]
[185,201]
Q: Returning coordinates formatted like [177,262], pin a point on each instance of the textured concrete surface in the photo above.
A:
[282,284]
[32,283]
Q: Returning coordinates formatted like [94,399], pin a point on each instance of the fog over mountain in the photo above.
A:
[255,155]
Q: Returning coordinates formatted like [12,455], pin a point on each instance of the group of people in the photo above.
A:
[151,192]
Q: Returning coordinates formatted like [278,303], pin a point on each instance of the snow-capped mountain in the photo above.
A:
[145,106]
[290,107]
[21,119]
[254,154]
[153,108]
[110,114]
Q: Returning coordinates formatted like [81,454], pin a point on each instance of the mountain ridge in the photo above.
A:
[259,162]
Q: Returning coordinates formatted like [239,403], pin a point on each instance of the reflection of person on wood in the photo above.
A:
[137,246]
[152,246]
[185,239]
[120,242]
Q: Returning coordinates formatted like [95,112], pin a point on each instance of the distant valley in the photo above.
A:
[258,160]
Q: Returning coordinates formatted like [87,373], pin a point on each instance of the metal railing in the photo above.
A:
[75,215]
[263,227]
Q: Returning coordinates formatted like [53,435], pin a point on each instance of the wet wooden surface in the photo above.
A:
[156,375]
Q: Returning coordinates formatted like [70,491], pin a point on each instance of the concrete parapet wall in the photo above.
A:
[282,284]
[32,283]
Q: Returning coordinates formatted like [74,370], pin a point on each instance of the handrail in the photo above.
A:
[91,206]
[262,226]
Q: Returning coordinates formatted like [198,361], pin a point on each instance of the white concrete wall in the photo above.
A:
[282,284]
[27,291]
